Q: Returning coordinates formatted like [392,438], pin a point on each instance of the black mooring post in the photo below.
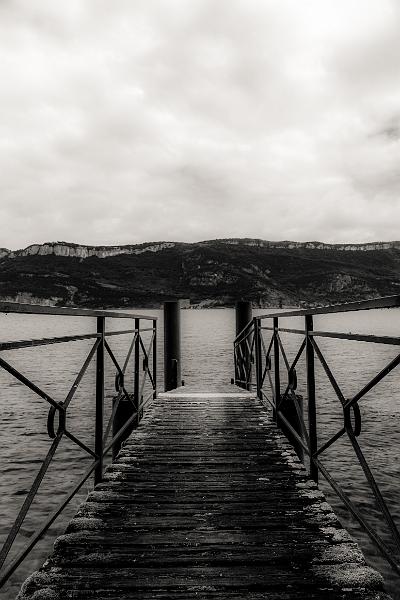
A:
[172,345]
[243,315]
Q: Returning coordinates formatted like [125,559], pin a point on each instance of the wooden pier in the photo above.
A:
[206,500]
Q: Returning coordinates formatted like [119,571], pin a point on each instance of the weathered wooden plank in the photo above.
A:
[206,500]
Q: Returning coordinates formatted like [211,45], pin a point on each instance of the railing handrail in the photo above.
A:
[384,302]
[40,309]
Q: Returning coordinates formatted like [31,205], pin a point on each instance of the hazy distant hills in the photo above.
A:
[211,273]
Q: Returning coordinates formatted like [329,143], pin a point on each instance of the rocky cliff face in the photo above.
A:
[81,251]
[314,245]
[27,298]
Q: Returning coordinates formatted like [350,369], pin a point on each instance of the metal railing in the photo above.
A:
[105,439]
[259,364]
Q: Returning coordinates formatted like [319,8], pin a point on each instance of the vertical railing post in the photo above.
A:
[98,435]
[155,357]
[243,316]
[257,352]
[235,358]
[172,345]
[136,375]
[312,412]
[277,376]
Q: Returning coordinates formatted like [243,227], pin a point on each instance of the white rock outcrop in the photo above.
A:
[313,245]
[81,251]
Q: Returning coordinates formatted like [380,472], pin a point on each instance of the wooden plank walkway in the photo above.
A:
[208,501]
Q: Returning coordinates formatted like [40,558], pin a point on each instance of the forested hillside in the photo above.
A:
[212,273]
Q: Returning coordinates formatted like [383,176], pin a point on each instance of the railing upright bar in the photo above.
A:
[155,358]
[312,411]
[136,381]
[277,375]
[98,436]
[243,366]
[257,351]
[241,372]
[235,363]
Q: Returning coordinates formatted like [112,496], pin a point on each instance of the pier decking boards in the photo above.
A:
[206,500]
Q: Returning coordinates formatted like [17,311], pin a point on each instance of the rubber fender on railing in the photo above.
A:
[356,429]
[50,421]
[119,381]
[292,380]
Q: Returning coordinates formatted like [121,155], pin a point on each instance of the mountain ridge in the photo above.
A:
[62,248]
[209,273]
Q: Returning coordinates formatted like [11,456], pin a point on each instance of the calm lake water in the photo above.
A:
[207,337]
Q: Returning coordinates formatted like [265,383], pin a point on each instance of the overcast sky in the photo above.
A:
[131,121]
